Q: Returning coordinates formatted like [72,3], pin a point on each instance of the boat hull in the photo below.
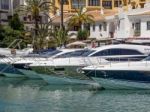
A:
[120,79]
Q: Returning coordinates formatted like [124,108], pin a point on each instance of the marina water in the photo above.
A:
[23,95]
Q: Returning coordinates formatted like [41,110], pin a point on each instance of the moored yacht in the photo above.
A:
[124,75]
[23,64]
[71,64]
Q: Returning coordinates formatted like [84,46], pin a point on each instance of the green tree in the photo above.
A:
[2,33]
[60,37]
[15,23]
[43,35]
[11,35]
[81,17]
[34,8]
[82,34]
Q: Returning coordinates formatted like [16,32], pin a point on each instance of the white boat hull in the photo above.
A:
[120,84]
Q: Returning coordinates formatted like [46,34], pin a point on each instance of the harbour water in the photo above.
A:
[23,95]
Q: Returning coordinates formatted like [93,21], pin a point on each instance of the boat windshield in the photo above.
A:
[147,59]
[78,53]
[47,54]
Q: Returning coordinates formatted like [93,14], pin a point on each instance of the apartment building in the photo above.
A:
[5,10]
[71,5]
[134,23]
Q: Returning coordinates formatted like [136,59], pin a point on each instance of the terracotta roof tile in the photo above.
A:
[96,14]
[101,17]
[57,19]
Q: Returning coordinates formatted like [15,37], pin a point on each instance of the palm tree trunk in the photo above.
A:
[36,19]
[36,25]
[62,16]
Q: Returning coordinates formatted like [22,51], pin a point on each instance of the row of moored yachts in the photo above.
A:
[121,66]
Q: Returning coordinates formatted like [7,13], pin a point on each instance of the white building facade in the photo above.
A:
[134,23]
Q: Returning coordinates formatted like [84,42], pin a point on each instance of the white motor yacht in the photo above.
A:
[71,64]
[23,64]
[123,75]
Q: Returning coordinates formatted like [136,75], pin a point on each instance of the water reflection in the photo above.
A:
[23,95]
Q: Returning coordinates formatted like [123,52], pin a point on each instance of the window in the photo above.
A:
[52,53]
[29,17]
[130,52]
[147,59]
[5,4]
[25,18]
[148,25]
[117,3]
[132,25]
[78,53]
[137,26]
[93,27]
[100,27]
[94,2]
[117,51]
[78,4]
[66,2]
[105,26]
[107,4]
[102,53]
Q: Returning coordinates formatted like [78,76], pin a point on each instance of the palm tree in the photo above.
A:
[60,37]
[35,7]
[80,18]
[44,33]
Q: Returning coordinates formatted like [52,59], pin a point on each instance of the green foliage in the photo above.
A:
[82,34]
[15,23]
[2,33]
[42,39]
[34,8]
[80,18]
[9,35]
[60,36]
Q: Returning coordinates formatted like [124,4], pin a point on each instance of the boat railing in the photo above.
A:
[8,60]
[129,62]
[92,61]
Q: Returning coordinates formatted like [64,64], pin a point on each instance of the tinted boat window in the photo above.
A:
[52,53]
[117,51]
[147,59]
[48,54]
[79,53]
